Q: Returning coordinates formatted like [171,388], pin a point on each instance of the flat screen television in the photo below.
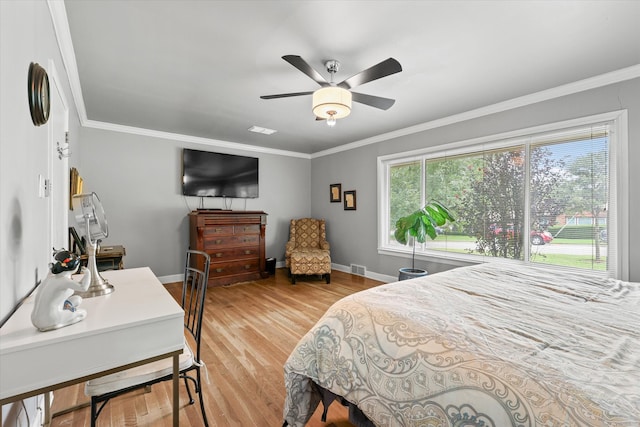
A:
[208,174]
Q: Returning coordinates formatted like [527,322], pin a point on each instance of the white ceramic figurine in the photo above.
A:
[55,305]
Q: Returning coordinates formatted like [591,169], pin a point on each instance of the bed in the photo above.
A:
[489,345]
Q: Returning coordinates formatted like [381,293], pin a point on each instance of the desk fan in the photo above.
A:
[91,219]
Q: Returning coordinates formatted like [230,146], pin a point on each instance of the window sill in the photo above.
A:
[462,260]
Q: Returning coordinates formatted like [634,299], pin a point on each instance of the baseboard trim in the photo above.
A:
[371,275]
[173,278]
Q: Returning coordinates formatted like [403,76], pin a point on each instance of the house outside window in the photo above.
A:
[546,196]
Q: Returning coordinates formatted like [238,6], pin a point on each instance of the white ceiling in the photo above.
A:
[197,68]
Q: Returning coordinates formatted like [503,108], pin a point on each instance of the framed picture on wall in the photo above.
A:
[75,184]
[350,200]
[335,193]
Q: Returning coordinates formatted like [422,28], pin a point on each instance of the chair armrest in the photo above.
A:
[289,247]
[325,245]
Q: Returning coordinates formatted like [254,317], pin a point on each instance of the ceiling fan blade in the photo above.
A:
[285,95]
[302,65]
[373,101]
[383,69]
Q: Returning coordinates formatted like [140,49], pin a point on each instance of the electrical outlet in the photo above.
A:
[41,186]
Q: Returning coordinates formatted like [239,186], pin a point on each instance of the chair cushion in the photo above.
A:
[310,261]
[138,375]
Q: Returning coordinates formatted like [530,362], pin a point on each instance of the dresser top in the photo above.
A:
[225,212]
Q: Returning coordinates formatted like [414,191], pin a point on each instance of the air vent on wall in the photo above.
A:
[360,270]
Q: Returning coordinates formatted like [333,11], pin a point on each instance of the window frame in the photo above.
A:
[618,188]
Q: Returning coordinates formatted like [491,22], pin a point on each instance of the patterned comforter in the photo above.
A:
[487,345]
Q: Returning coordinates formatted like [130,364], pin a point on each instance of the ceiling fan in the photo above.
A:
[333,100]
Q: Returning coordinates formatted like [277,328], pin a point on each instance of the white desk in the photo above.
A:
[138,323]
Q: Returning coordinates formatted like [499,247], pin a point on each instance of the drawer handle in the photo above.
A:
[218,241]
[217,230]
[219,255]
[248,252]
[247,267]
[219,270]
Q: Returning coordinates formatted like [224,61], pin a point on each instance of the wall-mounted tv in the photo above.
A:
[208,174]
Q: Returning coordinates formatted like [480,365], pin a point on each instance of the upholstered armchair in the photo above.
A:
[307,251]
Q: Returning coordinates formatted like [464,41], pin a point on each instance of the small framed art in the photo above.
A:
[335,193]
[350,200]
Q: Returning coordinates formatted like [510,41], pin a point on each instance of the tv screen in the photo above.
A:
[207,174]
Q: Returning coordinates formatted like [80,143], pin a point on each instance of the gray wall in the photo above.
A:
[353,234]
[26,35]
[138,181]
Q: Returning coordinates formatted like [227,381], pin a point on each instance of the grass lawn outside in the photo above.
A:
[577,261]
[460,238]
[566,260]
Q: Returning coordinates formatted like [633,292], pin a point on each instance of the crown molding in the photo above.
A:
[193,139]
[65,44]
[63,35]
[612,77]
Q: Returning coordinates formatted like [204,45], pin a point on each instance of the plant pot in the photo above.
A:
[411,273]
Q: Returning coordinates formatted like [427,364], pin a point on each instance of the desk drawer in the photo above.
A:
[224,254]
[234,267]
[215,242]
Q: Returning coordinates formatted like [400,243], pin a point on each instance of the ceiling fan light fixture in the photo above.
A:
[331,102]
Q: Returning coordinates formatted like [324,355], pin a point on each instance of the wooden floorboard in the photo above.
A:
[249,330]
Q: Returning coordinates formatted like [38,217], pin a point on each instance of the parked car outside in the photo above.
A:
[540,237]
[536,237]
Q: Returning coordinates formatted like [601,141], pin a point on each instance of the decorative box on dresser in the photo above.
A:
[235,242]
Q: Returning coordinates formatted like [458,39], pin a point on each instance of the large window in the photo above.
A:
[545,196]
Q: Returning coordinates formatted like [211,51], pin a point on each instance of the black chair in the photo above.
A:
[194,289]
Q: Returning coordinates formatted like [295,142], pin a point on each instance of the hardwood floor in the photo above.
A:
[250,329]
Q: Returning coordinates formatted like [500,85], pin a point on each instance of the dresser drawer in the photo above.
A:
[217,230]
[224,254]
[246,229]
[234,267]
[213,242]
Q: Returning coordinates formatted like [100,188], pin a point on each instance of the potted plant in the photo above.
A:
[418,225]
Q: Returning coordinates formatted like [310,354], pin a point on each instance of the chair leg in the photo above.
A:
[328,278]
[97,405]
[186,384]
[293,279]
[94,415]
[199,390]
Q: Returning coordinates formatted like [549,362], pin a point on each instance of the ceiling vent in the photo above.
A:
[265,131]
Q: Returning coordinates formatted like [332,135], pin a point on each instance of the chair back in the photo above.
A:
[307,233]
[194,290]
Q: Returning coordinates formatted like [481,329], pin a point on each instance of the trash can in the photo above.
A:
[271,266]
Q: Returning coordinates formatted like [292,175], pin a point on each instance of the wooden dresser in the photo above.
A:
[235,242]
